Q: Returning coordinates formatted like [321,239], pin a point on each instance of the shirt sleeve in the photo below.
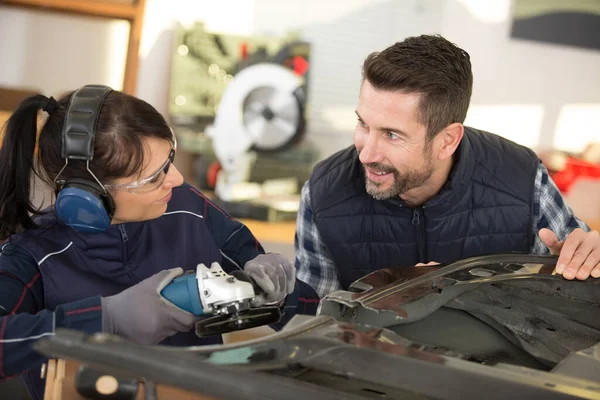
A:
[235,241]
[313,262]
[551,211]
[23,319]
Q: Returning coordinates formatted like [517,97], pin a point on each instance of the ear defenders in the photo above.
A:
[83,204]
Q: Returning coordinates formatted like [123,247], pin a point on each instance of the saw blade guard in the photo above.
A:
[234,132]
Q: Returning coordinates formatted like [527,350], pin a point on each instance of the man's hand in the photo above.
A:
[275,276]
[425,265]
[579,254]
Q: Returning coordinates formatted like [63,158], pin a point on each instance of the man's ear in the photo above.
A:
[449,139]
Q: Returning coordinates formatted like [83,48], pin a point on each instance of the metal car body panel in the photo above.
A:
[355,348]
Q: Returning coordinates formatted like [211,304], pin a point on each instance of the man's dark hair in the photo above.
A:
[432,66]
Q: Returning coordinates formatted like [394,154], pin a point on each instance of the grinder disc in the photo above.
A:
[246,319]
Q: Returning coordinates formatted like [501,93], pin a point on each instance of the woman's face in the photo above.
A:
[150,200]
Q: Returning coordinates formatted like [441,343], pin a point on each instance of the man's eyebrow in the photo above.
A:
[393,130]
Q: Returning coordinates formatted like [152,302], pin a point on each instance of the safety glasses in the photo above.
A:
[150,183]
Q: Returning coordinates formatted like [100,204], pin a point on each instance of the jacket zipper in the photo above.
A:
[124,239]
[420,227]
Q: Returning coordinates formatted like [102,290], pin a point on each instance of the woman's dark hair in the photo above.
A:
[124,122]
[429,65]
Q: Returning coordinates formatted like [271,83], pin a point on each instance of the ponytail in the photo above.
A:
[16,164]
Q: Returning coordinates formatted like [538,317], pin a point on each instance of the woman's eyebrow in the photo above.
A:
[147,171]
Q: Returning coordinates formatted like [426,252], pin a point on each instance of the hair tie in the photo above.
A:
[50,105]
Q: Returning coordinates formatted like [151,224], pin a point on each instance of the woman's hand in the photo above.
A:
[274,274]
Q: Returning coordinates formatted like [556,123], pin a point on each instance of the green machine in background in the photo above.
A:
[239,104]
[204,63]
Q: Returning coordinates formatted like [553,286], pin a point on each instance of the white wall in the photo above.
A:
[524,90]
[55,52]
[535,93]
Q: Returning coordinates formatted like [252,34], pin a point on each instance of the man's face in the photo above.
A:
[391,143]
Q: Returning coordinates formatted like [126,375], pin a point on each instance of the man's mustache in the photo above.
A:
[377,167]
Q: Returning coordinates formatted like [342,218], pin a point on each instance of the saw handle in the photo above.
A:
[183,292]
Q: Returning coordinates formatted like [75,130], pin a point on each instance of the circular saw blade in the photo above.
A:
[272,118]
[246,319]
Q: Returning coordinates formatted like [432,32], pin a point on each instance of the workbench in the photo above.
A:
[60,384]
[278,232]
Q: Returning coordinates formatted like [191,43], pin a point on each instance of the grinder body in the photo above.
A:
[210,291]
[225,300]
[183,292]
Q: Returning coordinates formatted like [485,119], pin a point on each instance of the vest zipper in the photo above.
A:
[420,227]
[124,239]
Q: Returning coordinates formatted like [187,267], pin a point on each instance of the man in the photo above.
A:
[418,186]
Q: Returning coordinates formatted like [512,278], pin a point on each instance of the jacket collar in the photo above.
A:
[108,243]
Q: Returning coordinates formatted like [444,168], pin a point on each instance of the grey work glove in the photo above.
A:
[141,314]
[274,274]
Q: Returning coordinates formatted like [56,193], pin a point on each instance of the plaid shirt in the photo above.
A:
[316,268]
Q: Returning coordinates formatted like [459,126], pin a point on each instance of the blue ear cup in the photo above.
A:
[83,204]
[84,207]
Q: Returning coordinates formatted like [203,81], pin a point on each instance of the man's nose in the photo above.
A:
[370,152]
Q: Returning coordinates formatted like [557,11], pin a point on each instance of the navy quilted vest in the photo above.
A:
[485,207]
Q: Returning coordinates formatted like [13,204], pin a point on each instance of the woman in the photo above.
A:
[101,267]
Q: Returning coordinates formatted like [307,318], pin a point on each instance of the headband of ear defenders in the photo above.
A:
[81,119]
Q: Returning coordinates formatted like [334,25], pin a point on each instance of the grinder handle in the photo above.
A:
[244,277]
[183,292]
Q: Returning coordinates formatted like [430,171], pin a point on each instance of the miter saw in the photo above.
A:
[226,300]
[262,109]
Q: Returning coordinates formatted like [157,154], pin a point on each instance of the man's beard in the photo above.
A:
[403,181]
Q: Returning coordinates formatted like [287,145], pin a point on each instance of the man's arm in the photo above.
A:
[313,262]
[563,234]
[22,317]
[550,211]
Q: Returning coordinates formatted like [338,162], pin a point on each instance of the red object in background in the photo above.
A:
[211,174]
[574,169]
[244,50]
[300,65]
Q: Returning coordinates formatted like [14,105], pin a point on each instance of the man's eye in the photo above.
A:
[362,124]
[391,135]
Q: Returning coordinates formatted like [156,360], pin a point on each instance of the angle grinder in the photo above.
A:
[226,300]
